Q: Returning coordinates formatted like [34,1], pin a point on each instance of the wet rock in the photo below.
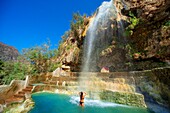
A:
[155,85]
[131,99]
[112,57]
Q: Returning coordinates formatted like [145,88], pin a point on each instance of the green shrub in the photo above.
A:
[66,35]
[77,23]
[167,23]
[54,66]
[134,21]
[14,70]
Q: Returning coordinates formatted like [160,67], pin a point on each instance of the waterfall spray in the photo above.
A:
[99,36]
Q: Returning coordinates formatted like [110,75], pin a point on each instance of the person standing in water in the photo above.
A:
[82,96]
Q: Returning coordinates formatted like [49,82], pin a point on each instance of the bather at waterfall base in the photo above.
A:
[58,103]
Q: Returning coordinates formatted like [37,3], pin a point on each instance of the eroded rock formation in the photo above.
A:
[150,38]
[143,44]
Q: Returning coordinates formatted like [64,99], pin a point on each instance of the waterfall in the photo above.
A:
[103,28]
[100,34]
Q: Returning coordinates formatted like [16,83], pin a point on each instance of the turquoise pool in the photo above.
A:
[58,103]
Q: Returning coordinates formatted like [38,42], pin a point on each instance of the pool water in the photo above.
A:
[59,103]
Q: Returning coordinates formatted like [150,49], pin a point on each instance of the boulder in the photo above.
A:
[57,72]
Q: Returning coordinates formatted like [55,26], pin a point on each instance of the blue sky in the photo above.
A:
[27,23]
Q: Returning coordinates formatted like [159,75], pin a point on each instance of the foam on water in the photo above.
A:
[46,102]
[95,103]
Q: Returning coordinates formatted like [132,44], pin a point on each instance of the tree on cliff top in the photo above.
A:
[77,23]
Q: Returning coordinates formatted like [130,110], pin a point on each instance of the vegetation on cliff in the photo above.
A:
[41,59]
[126,98]
[149,38]
[70,47]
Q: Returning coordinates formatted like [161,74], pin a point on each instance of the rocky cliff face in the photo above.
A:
[70,51]
[70,54]
[150,38]
[147,32]
[155,85]
[8,53]
[144,44]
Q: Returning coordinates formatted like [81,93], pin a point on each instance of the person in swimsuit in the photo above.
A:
[82,96]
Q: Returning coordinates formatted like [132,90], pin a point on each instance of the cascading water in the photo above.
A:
[105,27]
[100,34]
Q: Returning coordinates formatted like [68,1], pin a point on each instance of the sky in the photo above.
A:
[27,23]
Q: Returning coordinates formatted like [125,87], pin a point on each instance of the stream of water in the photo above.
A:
[96,31]
[103,28]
